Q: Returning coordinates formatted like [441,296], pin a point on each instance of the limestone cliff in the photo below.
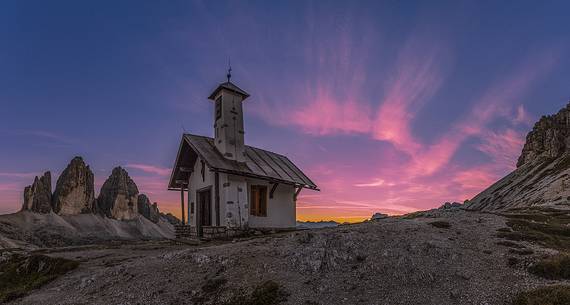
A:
[146,209]
[37,197]
[118,196]
[542,177]
[74,191]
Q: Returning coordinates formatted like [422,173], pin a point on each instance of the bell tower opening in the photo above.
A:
[228,120]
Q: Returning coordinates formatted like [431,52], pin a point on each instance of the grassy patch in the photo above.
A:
[21,274]
[521,251]
[441,224]
[212,285]
[556,267]
[551,295]
[509,244]
[547,227]
[267,293]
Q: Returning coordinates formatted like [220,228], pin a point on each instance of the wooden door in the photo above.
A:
[205,202]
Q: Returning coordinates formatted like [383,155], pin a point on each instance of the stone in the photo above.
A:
[143,206]
[379,216]
[118,197]
[37,197]
[154,213]
[74,190]
[549,138]
[173,220]
[451,206]
[146,209]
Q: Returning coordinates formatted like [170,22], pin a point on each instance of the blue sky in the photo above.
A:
[390,106]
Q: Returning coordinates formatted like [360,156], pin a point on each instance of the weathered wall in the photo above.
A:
[196,183]
[281,211]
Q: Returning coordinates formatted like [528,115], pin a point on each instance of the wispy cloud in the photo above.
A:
[152,169]
[51,136]
[18,175]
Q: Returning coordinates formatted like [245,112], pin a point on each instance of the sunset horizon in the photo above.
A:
[384,115]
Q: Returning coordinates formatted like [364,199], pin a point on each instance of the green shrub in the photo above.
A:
[550,295]
[441,224]
[267,293]
[556,267]
[20,274]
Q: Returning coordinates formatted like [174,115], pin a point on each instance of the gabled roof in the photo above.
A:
[261,164]
[231,87]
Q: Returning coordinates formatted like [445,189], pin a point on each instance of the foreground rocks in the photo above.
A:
[74,191]
[389,262]
[37,197]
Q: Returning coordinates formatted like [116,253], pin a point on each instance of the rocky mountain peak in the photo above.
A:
[74,191]
[37,197]
[119,195]
[146,209]
[549,138]
[542,177]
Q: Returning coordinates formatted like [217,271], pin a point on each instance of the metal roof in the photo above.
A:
[261,164]
[231,87]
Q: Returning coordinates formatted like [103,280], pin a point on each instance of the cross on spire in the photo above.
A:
[229,75]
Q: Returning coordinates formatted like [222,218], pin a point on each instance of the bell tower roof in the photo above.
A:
[230,87]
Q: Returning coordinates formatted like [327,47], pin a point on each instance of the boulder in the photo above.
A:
[37,197]
[118,197]
[378,216]
[451,206]
[74,190]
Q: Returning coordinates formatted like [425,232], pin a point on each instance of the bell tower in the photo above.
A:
[228,119]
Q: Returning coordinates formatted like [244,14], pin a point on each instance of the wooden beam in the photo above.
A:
[297,193]
[183,169]
[217,197]
[273,190]
[182,204]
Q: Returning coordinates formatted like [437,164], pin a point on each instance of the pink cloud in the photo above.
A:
[502,146]
[152,169]
[18,175]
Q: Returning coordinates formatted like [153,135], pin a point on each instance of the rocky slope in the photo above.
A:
[542,177]
[386,262]
[30,230]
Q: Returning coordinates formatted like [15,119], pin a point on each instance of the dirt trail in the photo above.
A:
[390,261]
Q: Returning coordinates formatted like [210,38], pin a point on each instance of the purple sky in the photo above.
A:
[389,106]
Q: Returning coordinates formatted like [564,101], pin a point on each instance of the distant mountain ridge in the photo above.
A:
[72,215]
[542,177]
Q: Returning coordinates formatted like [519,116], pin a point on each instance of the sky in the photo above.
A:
[389,106]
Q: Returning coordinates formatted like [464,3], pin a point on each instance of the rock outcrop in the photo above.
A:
[74,191]
[542,177]
[549,138]
[146,209]
[37,197]
[173,220]
[379,216]
[118,197]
